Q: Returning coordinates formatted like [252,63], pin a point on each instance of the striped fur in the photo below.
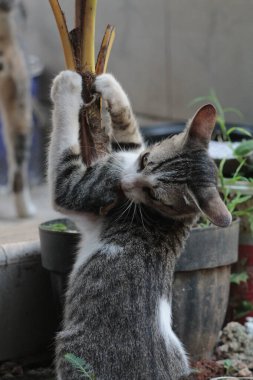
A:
[16,109]
[118,302]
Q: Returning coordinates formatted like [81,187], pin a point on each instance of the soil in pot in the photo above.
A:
[207,369]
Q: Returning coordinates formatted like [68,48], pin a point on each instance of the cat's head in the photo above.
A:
[177,177]
[8,5]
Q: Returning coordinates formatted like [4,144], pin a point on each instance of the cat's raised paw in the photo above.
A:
[66,83]
[108,87]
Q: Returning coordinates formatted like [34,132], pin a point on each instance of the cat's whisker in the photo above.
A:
[134,211]
[118,144]
[129,204]
[148,219]
[142,220]
[122,206]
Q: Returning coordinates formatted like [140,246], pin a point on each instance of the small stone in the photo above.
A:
[7,366]
[244,372]
[17,371]
[8,376]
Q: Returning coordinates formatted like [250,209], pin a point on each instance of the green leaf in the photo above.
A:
[242,130]
[217,103]
[81,366]
[61,227]
[239,168]
[198,100]
[237,278]
[227,363]
[223,128]
[245,148]
[233,110]
[243,309]
[228,366]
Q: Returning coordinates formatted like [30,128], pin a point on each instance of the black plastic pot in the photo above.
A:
[58,250]
[201,287]
[159,131]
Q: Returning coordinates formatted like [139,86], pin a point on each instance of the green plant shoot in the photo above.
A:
[81,366]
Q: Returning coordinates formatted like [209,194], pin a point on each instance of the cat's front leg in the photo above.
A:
[73,185]
[67,99]
[125,127]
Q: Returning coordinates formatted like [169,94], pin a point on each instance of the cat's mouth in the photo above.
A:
[133,189]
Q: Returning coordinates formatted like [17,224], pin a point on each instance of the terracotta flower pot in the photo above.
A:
[201,287]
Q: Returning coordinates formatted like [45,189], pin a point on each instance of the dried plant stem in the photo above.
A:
[105,50]
[88,36]
[63,30]
[79,51]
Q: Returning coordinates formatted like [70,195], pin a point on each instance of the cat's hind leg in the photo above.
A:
[125,126]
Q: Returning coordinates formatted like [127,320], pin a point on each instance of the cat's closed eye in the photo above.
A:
[144,161]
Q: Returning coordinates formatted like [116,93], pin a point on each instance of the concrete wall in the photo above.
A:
[166,52]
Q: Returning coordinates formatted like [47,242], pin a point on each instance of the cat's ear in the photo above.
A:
[210,203]
[202,124]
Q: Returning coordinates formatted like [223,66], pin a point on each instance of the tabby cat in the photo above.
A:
[15,108]
[118,303]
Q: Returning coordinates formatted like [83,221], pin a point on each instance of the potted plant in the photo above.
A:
[58,239]
[234,155]
[241,300]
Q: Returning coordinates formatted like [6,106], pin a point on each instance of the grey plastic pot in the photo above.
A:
[201,286]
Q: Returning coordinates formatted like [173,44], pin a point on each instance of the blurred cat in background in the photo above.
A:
[15,108]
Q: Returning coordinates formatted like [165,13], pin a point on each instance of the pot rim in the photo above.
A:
[42,227]
[194,229]
[214,227]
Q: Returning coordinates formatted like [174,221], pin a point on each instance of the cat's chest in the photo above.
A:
[128,249]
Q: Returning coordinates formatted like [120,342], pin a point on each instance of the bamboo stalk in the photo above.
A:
[105,50]
[88,36]
[63,30]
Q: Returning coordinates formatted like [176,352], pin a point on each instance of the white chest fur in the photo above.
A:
[164,323]
[90,228]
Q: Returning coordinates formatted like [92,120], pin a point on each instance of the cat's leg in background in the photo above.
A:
[125,126]
[16,112]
